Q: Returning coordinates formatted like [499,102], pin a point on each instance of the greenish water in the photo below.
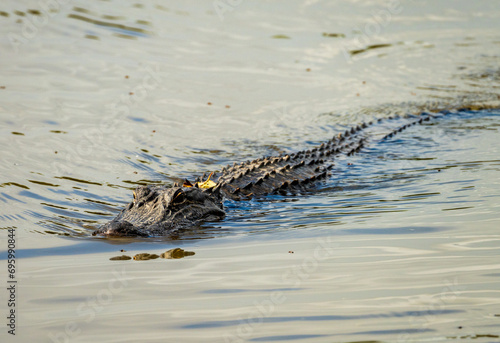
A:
[399,245]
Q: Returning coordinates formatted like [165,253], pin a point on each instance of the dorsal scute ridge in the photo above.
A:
[296,171]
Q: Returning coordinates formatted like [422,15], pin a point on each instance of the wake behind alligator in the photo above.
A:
[161,210]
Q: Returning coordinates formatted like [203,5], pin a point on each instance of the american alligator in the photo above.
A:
[160,210]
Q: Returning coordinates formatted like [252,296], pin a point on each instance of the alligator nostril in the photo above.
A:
[142,192]
[119,229]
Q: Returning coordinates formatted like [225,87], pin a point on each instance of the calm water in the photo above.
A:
[401,245]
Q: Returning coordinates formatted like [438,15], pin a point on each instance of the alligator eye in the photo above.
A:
[179,197]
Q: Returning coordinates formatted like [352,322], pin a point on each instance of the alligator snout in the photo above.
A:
[119,229]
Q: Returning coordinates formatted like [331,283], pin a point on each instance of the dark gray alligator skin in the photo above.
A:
[159,210]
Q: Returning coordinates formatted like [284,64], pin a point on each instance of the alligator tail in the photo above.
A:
[290,173]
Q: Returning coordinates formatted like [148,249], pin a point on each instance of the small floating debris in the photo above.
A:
[94,37]
[333,35]
[176,253]
[34,12]
[208,183]
[145,256]
[369,47]
[280,37]
[121,258]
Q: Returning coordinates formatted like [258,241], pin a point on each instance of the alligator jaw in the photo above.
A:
[160,210]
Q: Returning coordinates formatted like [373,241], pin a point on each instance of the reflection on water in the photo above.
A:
[329,318]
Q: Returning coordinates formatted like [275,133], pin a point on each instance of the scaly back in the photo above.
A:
[297,171]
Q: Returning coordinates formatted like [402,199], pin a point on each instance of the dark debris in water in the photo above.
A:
[333,35]
[171,254]
[120,258]
[176,253]
[474,336]
[281,36]
[145,257]
[369,47]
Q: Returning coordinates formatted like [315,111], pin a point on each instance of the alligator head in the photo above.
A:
[159,210]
